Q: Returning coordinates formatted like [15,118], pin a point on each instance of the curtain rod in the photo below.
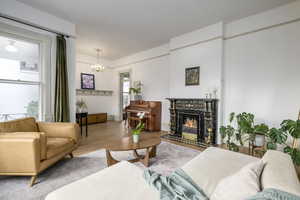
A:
[34,26]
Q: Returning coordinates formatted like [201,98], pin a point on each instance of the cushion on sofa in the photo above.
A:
[247,180]
[19,125]
[214,164]
[120,181]
[280,173]
[56,146]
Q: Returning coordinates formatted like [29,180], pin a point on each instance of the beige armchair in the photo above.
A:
[28,147]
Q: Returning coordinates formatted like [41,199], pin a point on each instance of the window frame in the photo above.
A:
[45,82]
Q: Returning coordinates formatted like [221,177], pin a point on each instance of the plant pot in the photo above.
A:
[136,138]
[137,97]
[81,110]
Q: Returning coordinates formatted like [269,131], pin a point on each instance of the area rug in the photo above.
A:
[169,157]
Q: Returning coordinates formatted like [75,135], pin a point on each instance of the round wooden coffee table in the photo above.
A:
[148,141]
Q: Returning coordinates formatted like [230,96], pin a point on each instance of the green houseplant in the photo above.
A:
[288,128]
[251,131]
[136,90]
[246,130]
[229,133]
[292,128]
[139,128]
[32,109]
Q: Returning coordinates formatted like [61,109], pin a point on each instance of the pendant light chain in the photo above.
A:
[98,67]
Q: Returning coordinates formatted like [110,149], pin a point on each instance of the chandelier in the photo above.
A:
[98,67]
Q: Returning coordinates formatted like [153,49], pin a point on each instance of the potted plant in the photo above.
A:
[139,128]
[81,106]
[292,128]
[136,91]
[288,128]
[245,130]
[253,133]
[229,133]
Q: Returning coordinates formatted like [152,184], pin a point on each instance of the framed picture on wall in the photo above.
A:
[87,81]
[192,76]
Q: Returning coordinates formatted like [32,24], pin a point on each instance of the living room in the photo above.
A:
[228,71]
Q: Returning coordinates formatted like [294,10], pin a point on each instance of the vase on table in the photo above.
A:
[136,138]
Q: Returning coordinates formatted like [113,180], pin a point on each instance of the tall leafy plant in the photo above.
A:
[292,128]
[288,128]
[248,128]
[230,134]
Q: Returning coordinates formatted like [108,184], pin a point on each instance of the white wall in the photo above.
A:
[162,69]
[103,81]
[154,75]
[254,62]
[262,68]
[208,56]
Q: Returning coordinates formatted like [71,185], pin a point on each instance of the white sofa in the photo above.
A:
[125,181]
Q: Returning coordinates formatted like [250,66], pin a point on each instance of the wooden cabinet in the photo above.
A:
[96,118]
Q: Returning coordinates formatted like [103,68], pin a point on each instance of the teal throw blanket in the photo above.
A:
[177,186]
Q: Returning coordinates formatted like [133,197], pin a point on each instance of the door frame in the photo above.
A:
[120,96]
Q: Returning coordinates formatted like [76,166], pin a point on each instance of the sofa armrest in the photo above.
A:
[20,153]
[60,130]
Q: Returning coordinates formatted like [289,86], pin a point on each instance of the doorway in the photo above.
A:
[124,91]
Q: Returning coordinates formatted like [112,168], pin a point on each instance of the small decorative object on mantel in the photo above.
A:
[136,90]
[138,129]
[87,81]
[192,76]
[80,92]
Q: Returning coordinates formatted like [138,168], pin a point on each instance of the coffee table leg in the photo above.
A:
[152,153]
[110,160]
[145,160]
[135,153]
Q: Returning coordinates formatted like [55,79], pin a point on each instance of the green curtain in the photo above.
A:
[61,102]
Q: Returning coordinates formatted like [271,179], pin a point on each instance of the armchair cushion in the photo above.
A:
[19,125]
[40,136]
[57,146]
[20,153]
[60,130]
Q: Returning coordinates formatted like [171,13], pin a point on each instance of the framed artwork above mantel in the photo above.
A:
[192,76]
[87,81]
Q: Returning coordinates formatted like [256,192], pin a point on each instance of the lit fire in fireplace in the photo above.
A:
[189,129]
[191,123]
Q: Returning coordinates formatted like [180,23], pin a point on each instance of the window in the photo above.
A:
[20,82]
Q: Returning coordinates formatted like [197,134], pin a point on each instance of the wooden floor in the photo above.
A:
[101,134]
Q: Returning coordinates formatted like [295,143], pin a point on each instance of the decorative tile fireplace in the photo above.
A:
[193,121]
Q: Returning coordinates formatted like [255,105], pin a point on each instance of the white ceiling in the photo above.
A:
[124,27]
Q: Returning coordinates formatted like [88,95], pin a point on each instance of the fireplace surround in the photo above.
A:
[193,121]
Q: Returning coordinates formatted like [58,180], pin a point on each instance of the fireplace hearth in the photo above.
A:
[193,121]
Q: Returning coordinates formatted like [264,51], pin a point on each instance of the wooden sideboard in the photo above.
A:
[96,118]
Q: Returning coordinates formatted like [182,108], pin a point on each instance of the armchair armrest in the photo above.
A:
[20,153]
[60,130]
